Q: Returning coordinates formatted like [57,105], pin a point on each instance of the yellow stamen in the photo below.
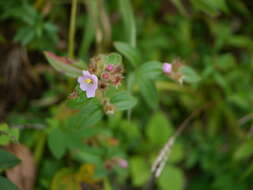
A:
[88,81]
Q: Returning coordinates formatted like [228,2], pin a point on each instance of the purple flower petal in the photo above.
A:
[90,93]
[88,83]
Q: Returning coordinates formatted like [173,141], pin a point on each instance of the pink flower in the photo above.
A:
[167,67]
[122,163]
[88,83]
[109,67]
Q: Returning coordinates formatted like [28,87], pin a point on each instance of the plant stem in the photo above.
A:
[38,3]
[72,28]
[89,28]
[161,160]
[40,147]
[105,23]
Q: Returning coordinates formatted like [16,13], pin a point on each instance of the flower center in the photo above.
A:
[88,81]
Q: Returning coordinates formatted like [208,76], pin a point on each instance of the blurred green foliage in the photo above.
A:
[212,36]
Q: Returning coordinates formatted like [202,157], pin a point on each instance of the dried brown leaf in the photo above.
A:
[23,175]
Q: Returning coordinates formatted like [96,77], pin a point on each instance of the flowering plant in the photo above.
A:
[106,86]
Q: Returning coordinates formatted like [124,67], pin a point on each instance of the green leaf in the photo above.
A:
[139,170]
[4,139]
[130,130]
[5,184]
[123,101]
[158,129]
[127,14]
[4,136]
[107,184]
[7,160]
[129,52]
[176,154]
[130,81]
[8,134]
[148,91]
[179,5]
[4,127]
[211,7]
[151,69]
[24,35]
[14,133]
[84,156]
[57,142]
[189,74]
[79,100]
[226,61]
[244,151]
[171,178]
[89,27]
[50,27]
[89,115]
[63,65]
[113,58]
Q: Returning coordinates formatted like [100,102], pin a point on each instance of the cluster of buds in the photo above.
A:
[108,74]
[99,76]
[173,70]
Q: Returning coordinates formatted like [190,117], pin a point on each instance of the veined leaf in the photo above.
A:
[129,52]
[63,64]
[150,69]
[7,160]
[123,101]
[8,134]
[171,178]
[244,151]
[89,115]
[158,129]
[129,22]
[189,74]
[57,142]
[113,58]
[148,91]
[139,170]
[89,28]
[5,184]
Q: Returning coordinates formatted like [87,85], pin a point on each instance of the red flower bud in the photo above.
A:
[105,76]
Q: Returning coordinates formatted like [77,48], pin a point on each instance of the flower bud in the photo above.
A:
[109,67]
[109,109]
[102,85]
[122,163]
[105,76]
[118,69]
[73,95]
[167,68]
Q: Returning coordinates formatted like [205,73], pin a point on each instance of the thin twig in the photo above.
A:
[36,126]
